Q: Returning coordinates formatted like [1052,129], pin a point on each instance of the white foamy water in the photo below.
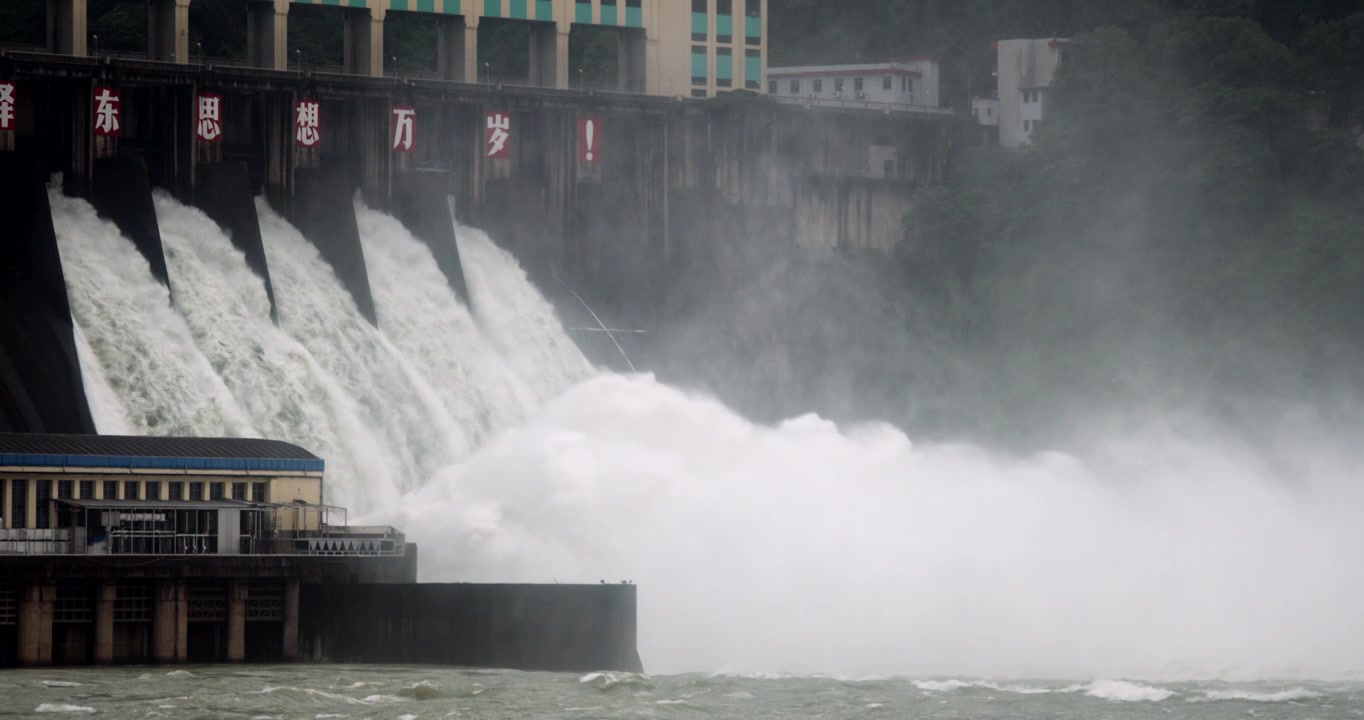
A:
[106,410]
[404,413]
[287,395]
[517,319]
[424,318]
[161,382]
[807,548]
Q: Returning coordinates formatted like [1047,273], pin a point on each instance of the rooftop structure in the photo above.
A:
[1024,71]
[903,85]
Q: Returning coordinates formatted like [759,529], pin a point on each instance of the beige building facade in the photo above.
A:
[689,48]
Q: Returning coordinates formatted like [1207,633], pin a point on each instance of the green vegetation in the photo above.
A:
[1198,183]
[1184,233]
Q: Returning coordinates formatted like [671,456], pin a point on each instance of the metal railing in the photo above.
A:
[862,105]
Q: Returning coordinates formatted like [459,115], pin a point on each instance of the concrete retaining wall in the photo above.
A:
[567,628]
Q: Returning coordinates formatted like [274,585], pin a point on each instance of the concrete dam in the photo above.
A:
[223,251]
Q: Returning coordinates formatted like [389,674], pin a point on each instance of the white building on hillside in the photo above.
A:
[910,85]
[1024,71]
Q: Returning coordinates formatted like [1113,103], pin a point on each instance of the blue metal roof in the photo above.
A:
[154,453]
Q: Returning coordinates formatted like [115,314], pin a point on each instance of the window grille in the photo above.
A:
[74,604]
[133,603]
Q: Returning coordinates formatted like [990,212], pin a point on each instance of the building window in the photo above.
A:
[819,85]
[153,490]
[724,7]
[838,85]
[698,92]
[753,8]
[771,87]
[700,22]
[753,69]
[215,491]
[258,489]
[724,67]
[110,489]
[18,503]
[724,21]
[87,488]
[177,491]
[857,84]
[795,87]
[44,498]
[65,489]
[699,65]
[196,491]
[130,490]
[887,83]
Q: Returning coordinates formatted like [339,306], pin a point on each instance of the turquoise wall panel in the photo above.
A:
[700,25]
[724,24]
[544,9]
[492,8]
[582,12]
[698,65]
[609,13]
[724,67]
[634,17]
[753,27]
[517,10]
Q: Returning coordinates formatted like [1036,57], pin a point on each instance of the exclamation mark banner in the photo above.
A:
[589,140]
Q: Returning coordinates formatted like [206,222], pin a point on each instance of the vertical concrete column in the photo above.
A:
[35,624]
[236,621]
[67,32]
[633,61]
[267,34]
[104,623]
[365,41]
[291,620]
[457,48]
[170,622]
[549,54]
[168,30]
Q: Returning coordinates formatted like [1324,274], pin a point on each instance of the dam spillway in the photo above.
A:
[387,408]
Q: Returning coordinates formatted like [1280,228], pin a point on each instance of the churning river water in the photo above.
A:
[405,692]
[1167,549]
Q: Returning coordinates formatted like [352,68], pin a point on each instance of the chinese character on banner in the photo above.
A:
[404,128]
[6,106]
[589,140]
[210,119]
[106,112]
[307,123]
[499,135]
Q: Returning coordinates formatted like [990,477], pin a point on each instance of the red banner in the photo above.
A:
[308,123]
[8,106]
[404,128]
[107,112]
[589,140]
[208,125]
[499,135]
